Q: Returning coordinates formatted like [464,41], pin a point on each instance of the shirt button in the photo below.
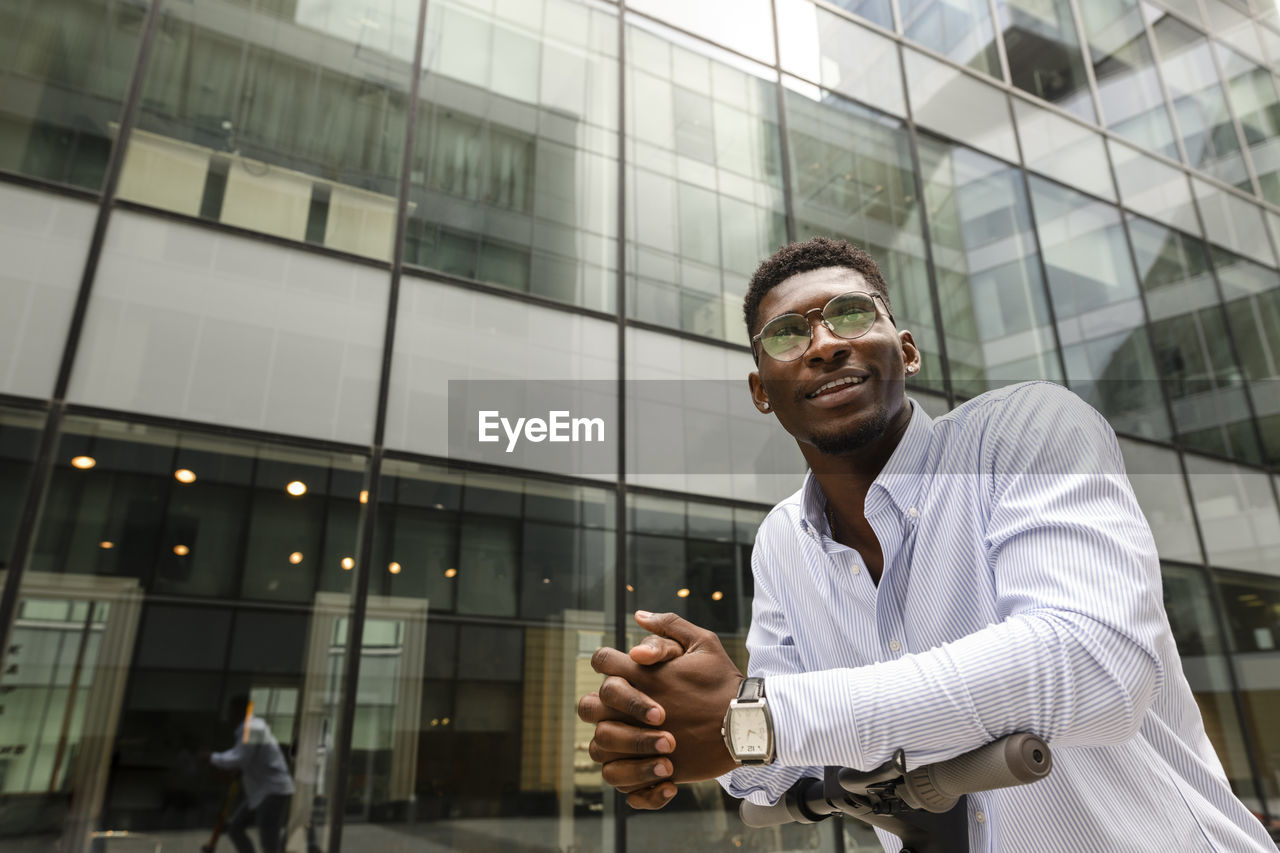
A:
[856,570]
[894,645]
[980,817]
[913,512]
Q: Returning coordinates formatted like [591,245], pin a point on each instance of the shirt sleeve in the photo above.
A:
[772,652]
[233,758]
[1075,657]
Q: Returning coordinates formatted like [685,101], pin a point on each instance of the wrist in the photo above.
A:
[748,730]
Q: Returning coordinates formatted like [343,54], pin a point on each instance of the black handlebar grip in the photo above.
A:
[1013,760]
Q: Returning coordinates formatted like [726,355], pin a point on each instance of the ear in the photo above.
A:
[758,395]
[910,353]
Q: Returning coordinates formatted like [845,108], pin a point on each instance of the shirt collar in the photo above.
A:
[899,482]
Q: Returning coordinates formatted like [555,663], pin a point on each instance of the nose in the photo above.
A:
[826,344]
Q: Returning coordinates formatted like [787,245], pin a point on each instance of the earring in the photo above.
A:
[765,406]
[911,371]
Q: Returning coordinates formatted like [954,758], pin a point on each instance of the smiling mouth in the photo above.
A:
[836,384]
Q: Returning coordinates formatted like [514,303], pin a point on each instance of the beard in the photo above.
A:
[846,439]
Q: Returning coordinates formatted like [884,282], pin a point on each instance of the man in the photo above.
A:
[933,586]
[264,775]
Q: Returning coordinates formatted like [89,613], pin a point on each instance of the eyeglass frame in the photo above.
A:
[822,316]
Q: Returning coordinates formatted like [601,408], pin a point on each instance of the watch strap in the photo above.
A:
[751,690]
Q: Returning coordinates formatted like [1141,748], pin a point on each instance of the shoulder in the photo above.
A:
[779,526]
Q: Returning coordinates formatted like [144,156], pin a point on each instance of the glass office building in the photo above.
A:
[248,245]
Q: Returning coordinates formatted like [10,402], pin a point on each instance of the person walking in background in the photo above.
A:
[264,776]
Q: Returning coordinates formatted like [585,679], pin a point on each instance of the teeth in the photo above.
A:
[836,383]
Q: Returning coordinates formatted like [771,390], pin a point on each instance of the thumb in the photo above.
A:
[682,631]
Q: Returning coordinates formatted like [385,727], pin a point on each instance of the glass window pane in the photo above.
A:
[1193,351]
[995,312]
[481,625]
[1238,515]
[1153,188]
[514,176]
[205,326]
[852,178]
[958,29]
[1161,490]
[19,440]
[1202,647]
[827,49]
[444,333]
[1253,92]
[1233,222]
[704,183]
[1199,102]
[1233,26]
[44,240]
[1045,58]
[173,579]
[1063,149]
[960,106]
[1098,309]
[1253,620]
[1252,294]
[65,66]
[875,11]
[741,25]
[284,119]
[1128,87]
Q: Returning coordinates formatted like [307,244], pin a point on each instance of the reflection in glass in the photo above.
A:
[826,48]
[1252,89]
[704,183]
[994,309]
[1128,87]
[64,67]
[278,119]
[1044,53]
[1193,351]
[852,177]
[1252,295]
[1253,620]
[514,166]
[19,438]
[149,606]
[465,733]
[960,105]
[1189,605]
[875,11]
[741,25]
[1098,308]
[1199,102]
[1156,477]
[1238,515]
[1063,149]
[1153,187]
[958,29]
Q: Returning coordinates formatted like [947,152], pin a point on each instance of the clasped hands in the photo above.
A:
[659,710]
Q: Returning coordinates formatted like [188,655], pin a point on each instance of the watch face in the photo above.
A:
[749,733]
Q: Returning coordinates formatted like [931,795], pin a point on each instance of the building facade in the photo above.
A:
[255,249]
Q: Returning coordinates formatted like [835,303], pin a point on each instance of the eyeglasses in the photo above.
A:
[849,315]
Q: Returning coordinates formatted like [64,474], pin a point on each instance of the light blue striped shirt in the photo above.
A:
[1020,593]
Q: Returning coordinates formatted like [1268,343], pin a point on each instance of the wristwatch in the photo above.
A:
[748,726]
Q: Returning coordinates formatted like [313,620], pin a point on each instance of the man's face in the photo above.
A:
[869,399]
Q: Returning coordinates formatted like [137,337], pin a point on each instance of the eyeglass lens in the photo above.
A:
[849,316]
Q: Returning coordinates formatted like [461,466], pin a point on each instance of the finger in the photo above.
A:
[652,798]
[633,774]
[621,739]
[618,694]
[607,661]
[592,710]
[687,634]
[654,649]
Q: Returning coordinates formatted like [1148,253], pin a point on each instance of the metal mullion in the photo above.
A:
[1090,74]
[926,233]
[1220,612]
[1044,273]
[620,810]
[37,487]
[784,143]
[1246,154]
[1157,64]
[997,36]
[369,518]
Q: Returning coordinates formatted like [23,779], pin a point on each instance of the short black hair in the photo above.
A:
[815,254]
